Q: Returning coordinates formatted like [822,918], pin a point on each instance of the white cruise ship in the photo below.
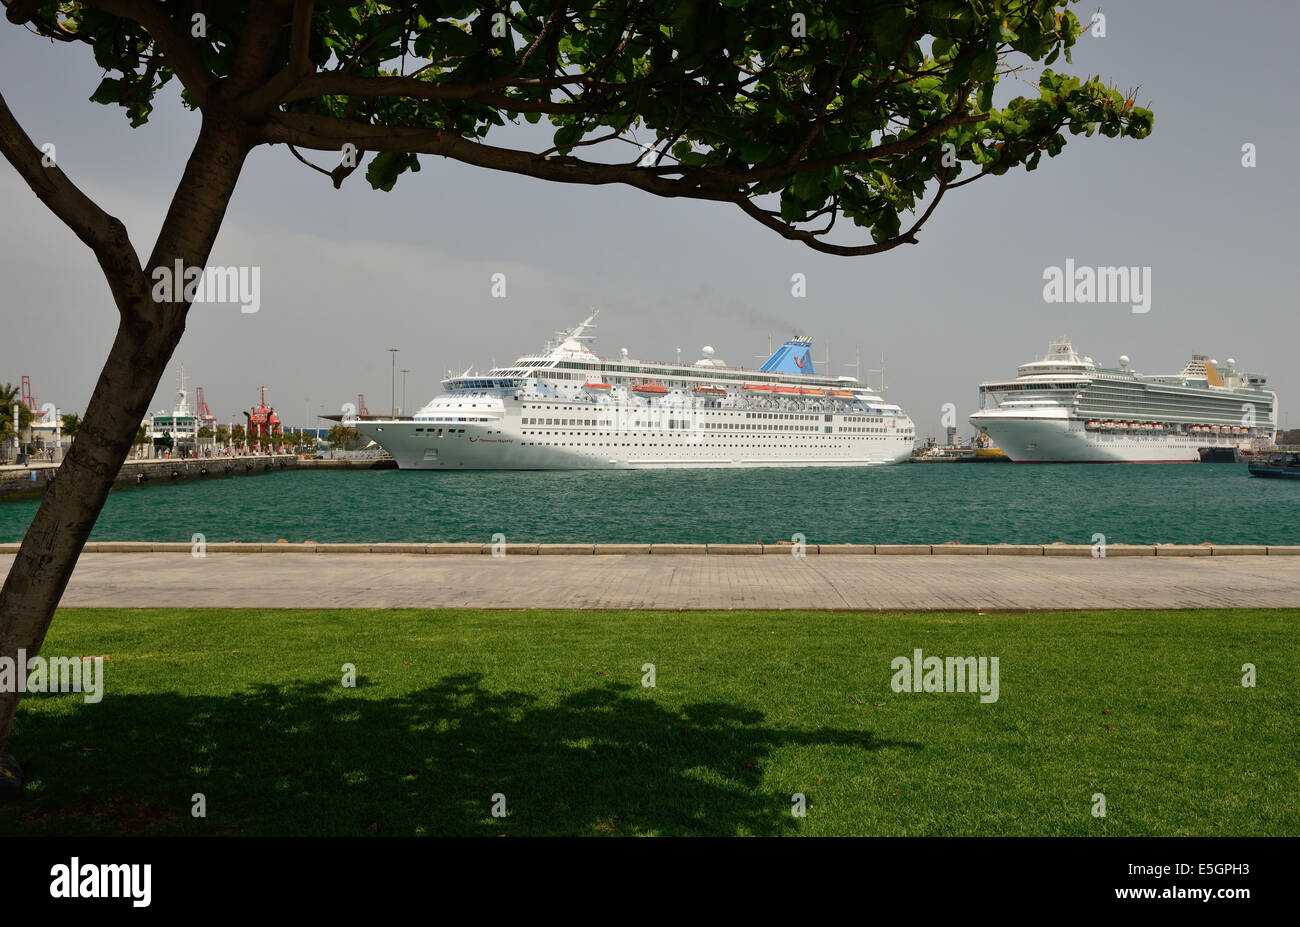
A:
[1066,409]
[567,409]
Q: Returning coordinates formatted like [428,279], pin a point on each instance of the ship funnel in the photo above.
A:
[792,357]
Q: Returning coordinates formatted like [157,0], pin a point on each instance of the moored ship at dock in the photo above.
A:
[1066,408]
[567,408]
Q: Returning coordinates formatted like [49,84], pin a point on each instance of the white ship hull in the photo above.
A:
[1061,440]
[501,445]
[1067,409]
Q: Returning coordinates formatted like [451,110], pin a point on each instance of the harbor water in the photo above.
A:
[973,503]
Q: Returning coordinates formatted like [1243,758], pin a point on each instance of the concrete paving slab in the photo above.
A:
[864,582]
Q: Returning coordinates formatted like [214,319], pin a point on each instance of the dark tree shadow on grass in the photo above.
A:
[318,759]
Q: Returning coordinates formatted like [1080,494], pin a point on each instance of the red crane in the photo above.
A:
[28,399]
[204,413]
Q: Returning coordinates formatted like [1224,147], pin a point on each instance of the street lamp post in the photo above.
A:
[404,373]
[392,389]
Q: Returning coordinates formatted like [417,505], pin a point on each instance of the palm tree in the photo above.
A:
[71,422]
[10,396]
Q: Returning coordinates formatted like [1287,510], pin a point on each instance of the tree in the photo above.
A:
[869,110]
[10,396]
[344,436]
[71,424]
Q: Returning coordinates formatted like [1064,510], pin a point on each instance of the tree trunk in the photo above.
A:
[146,337]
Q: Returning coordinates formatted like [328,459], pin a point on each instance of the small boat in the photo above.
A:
[840,393]
[709,390]
[654,388]
[596,387]
[1284,465]
[812,392]
[759,388]
[785,389]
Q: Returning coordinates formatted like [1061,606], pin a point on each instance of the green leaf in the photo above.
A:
[984,65]
[108,91]
[567,136]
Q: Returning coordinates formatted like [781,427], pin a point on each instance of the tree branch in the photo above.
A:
[104,234]
[812,241]
[327,133]
[299,65]
[181,56]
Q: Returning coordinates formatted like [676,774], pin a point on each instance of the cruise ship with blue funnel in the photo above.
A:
[568,409]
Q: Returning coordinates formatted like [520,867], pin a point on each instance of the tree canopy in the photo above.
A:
[797,115]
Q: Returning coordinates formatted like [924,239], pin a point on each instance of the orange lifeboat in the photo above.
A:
[653,389]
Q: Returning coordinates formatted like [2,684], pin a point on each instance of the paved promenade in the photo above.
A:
[847,581]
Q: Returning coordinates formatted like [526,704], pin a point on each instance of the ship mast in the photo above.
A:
[856,365]
[881,370]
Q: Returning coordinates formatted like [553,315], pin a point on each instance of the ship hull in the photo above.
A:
[494,447]
[1058,439]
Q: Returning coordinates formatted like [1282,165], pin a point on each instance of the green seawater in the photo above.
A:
[908,503]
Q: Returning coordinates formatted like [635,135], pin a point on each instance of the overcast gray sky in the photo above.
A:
[347,274]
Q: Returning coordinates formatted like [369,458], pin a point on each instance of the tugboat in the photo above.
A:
[1284,464]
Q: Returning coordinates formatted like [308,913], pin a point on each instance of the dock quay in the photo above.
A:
[468,576]
[31,480]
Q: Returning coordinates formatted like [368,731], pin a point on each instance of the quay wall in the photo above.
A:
[33,481]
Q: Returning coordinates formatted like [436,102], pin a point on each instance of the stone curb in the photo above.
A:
[781,549]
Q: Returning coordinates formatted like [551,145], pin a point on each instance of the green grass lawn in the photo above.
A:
[548,708]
